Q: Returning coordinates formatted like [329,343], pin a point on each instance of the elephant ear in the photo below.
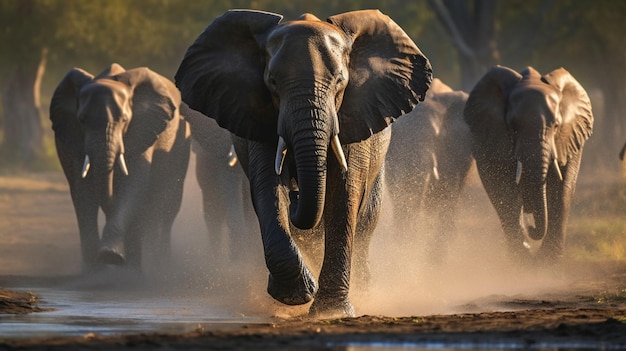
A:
[155,100]
[437,87]
[221,74]
[112,70]
[575,114]
[486,104]
[388,74]
[64,107]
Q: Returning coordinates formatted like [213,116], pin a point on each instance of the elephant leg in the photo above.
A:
[213,203]
[86,209]
[174,185]
[133,242]
[334,280]
[367,221]
[559,196]
[131,203]
[236,235]
[499,184]
[290,280]
[346,195]
[112,246]
[158,234]
[168,209]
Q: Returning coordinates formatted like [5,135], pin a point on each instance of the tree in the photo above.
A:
[90,34]
[472,28]
[21,102]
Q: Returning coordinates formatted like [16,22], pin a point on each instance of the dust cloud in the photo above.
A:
[40,239]
[473,274]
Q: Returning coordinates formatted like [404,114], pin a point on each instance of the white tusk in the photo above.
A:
[86,166]
[232,156]
[558,169]
[435,171]
[556,161]
[281,151]
[518,173]
[122,164]
[335,144]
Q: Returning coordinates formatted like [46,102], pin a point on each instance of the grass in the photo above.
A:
[597,223]
[597,239]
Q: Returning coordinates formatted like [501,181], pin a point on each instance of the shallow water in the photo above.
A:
[107,311]
[79,312]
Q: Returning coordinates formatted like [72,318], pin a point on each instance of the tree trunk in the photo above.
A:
[473,33]
[22,145]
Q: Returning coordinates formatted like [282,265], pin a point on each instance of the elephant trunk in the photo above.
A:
[101,158]
[310,147]
[537,206]
[535,213]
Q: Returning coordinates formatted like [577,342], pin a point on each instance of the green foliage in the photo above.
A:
[598,239]
[584,36]
[597,225]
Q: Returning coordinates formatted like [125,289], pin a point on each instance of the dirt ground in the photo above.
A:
[582,303]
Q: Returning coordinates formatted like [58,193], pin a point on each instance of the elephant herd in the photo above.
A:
[293,135]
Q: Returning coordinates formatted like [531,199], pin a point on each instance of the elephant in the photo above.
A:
[288,92]
[226,202]
[426,167]
[528,134]
[124,149]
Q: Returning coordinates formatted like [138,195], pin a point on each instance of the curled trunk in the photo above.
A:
[535,213]
[310,142]
[537,206]
[310,155]
[103,154]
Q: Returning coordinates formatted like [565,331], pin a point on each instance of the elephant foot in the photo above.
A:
[336,308]
[295,292]
[111,255]
[112,250]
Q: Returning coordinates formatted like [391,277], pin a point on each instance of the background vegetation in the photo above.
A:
[40,40]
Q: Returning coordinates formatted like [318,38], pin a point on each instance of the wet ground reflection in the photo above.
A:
[426,346]
[78,313]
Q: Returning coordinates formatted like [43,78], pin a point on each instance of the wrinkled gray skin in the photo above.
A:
[226,203]
[529,131]
[426,167]
[119,114]
[305,82]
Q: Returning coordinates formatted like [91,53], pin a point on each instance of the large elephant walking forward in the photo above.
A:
[290,92]
[124,148]
[426,166]
[529,131]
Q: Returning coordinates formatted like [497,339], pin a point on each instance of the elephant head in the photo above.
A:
[535,123]
[304,85]
[99,123]
[103,111]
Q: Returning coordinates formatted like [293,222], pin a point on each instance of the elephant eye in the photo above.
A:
[272,84]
